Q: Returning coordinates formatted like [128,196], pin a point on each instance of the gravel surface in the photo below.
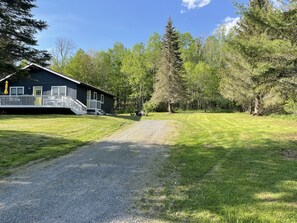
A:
[97,183]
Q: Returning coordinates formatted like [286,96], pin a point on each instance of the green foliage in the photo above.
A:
[150,106]
[291,107]
[153,52]
[213,51]
[17,35]
[80,67]
[136,66]
[261,58]
[202,83]
[191,48]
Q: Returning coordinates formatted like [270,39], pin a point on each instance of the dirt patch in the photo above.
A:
[289,154]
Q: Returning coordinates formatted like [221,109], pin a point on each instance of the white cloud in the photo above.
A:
[228,23]
[194,4]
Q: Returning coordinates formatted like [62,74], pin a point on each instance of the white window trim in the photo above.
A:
[95,93]
[59,90]
[102,97]
[16,87]
[38,88]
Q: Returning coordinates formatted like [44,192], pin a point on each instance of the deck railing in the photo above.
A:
[43,101]
[94,104]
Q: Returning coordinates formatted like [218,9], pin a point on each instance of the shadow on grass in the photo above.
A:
[238,184]
[19,147]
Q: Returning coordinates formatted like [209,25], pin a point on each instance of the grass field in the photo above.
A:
[27,138]
[228,168]
[222,168]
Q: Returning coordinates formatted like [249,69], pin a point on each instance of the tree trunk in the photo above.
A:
[169,108]
[258,106]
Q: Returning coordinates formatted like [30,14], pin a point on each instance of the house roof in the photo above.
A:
[60,75]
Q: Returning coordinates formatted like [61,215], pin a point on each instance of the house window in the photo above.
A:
[59,90]
[16,91]
[102,98]
[95,96]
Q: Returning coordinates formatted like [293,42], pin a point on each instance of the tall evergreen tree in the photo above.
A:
[247,34]
[169,86]
[17,30]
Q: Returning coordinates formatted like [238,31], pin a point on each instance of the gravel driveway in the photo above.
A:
[96,183]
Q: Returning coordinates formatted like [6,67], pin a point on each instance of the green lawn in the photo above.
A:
[27,138]
[228,168]
[223,167]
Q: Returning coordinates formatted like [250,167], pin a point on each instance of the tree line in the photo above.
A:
[131,73]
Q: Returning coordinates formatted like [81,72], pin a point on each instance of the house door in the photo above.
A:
[37,92]
[89,97]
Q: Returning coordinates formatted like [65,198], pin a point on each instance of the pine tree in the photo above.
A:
[244,43]
[169,86]
[17,31]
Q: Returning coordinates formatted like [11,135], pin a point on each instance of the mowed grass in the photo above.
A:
[28,138]
[228,168]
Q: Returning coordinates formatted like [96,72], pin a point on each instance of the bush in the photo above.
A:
[291,107]
[150,106]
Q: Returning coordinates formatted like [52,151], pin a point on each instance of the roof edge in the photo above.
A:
[58,74]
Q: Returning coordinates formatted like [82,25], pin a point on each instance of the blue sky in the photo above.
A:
[98,24]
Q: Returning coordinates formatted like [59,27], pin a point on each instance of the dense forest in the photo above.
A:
[250,68]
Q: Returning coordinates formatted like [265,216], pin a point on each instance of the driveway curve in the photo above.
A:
[96,183]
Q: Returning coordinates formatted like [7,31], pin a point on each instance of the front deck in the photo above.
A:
[45,103]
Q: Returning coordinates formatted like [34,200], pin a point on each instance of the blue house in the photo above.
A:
[41,90]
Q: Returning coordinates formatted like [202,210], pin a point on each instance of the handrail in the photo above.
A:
[94,104]
[77,108]
[83,105]
[56,101]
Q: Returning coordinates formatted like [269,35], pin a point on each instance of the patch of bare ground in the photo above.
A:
[289,154]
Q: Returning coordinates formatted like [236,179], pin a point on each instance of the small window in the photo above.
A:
[102,98]
[20,91]
[55,91]
[16,90]
[13,91]
[62,91]
[95,96]
[59,90]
